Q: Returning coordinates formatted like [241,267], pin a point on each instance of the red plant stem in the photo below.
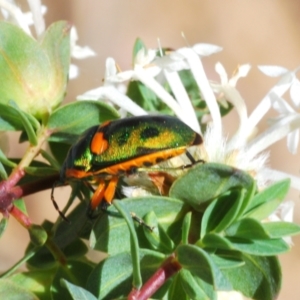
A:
[168,269]
[20,217]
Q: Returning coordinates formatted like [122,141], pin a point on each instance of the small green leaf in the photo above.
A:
[112,277]
[186,227]
[26,124]
[229,259]
[193,289]
[203,183]
[158,238]
[74,118]
[248,229]
[50,159]
[37,282]
[259,278]
[215,241]
[176,290]
[3,173]
[20,204]
[281,229]
[260,247]
[200,264]
[76,272]
[146,98]
[5,161]
[274,194]
[10,118]
[77,292]
[10,290]
[60,150]
[134,244]
[138,46]
[264,210]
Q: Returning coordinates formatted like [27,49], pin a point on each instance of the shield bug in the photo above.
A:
[118,148]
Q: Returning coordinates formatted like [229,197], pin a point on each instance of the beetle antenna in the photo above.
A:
[55,203]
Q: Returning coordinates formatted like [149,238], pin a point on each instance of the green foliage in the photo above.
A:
[207,231]
[26,61]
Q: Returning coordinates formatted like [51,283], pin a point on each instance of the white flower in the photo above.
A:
[79,52]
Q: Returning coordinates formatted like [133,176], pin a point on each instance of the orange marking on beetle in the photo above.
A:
[125,166]
[99,144]
[139,161]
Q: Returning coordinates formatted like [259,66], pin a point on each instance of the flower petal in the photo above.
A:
[204,49]
[273,71]
[295,92]
[293,141]
[112,94]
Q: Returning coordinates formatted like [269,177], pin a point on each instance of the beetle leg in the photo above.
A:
[110,190]
[98,195]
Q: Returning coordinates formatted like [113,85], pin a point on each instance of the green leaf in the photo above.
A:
[215,241]
[203,183]
[6,161]
[76,272]
[228,259]
[248,229]
[157,237]
[77,293]
[60,150]
[20,204]
[259,278]
[112,278]
[260,247]
[10,290]
[37,282]
[146,98]
[176,290]
[222,212]
[186,227]
[10,117]
[193,289]
[200,264]
[281,229]
[110,233]
[265,202]
[49,158]
[134,245]
[3,173]
[138,46]
[26,124]
[66,239]
[74,118]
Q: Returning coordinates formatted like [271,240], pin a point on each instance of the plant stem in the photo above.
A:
[168,269]
[7,194]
